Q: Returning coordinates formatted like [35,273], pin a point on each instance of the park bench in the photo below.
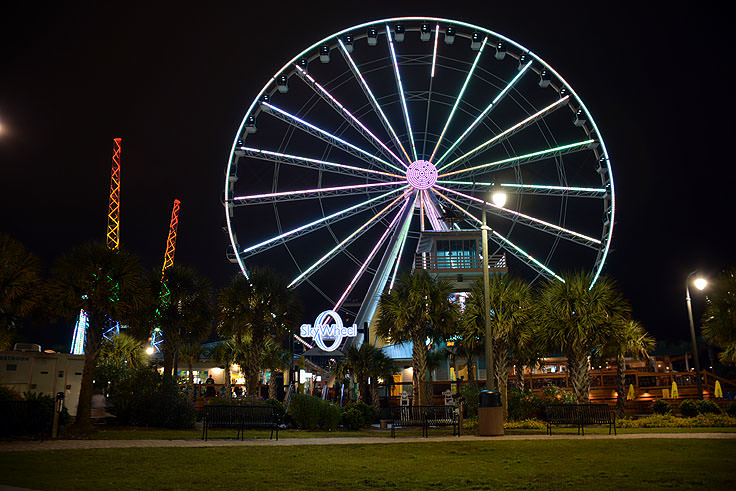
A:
[579,415]
[239,417]
[424,416]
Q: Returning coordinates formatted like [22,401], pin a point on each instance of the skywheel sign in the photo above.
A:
[322,330]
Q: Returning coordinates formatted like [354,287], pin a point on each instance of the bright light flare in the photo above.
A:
[498,198]
[700,283]
[150,350]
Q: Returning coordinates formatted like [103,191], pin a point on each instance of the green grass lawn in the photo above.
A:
[544,464]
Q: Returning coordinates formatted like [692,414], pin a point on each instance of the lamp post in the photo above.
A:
[499,199]
[700,284]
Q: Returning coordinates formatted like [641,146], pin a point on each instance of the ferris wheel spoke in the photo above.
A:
[326,136]
[528,220]
[523,159]
[534,189]
[401,90]
[345,242]
[507,133]
[310,163]
[317,224]
[370,257]
[372,99]
[483,113]
[432,213]
[347,115]
[404,235]
[459,98]
[329,192]
[539,189]
[507,245]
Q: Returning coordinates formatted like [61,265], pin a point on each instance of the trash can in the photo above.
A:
[490,413]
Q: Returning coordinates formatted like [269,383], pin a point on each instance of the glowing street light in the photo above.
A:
[149,350]
[700,283]
[498,197]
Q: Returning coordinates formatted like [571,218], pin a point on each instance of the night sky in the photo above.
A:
[174,82]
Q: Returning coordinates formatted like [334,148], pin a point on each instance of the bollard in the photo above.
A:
[58,407]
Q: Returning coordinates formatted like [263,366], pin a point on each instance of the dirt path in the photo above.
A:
[94,444]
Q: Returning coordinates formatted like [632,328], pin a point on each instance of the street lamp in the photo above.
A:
[499,199]
[700,283]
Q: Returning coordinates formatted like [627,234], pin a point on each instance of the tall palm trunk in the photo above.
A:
[190,383]
[577,364]
[252,370]
[169,348]
[419,361]
[92,351]
[501,364]
[520,378]
[470,365]
[375,402]
[620,386]
[228,388]
[272,385]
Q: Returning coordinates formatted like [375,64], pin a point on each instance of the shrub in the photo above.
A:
[470,393]
[330,416]
[524,405]
[661,406]
[557,395]
[731,409]
[688,408]
[526,424]
[278,408]
[352,419]
[670,421]
[368,413]
[8,394]
[706,406]
[36,418]
[143,398]
[305,411]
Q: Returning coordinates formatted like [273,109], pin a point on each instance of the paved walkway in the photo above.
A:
[286,442]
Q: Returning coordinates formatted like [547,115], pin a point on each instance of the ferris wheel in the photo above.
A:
[386,129]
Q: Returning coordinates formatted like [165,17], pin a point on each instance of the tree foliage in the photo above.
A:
[418,308]
[719,320]
[19,287]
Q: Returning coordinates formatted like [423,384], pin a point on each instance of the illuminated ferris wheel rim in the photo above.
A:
[309,53]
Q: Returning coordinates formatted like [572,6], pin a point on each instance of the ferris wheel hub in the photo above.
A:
[421,174]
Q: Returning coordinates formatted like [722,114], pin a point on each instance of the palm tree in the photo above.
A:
[185,317]
[629,339]
[107,284]
[252,310]
[224,354]
[19,286]
[275,359]
[719,320]
[511,314]
[577,318]
[191,353]
[434,360]
[368,362]
[416,309]
[123,349]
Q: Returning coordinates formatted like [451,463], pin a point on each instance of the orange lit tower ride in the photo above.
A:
[156,336]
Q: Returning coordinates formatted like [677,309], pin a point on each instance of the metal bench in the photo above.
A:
[239,417]
[424,416]
[579,415]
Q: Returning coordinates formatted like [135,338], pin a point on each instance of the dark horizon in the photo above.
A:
[175,83]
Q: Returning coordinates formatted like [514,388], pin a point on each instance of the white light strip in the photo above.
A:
[520,157]
[518,125]
[404,235]
[370,257]
[401,90]
[347,239]
[484,113]
[516,213]
[323,219]
[350,115]
[320,162]
[434,57]
[373,99]
[316,190]
[433,214]
[503,239]
[555,188]
[459,98]
[326,133]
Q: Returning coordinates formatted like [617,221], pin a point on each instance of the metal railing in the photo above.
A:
[455,262]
